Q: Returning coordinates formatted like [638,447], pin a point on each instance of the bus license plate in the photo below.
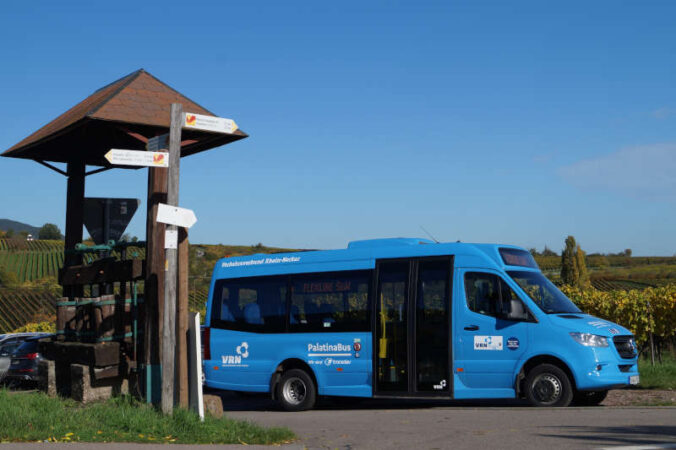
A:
[633,379]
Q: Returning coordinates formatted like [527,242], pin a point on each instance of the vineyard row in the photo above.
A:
[32,265]
[21,306]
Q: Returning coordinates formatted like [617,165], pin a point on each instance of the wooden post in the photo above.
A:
[151,315]
[171,257]
[182,318]
[75,193]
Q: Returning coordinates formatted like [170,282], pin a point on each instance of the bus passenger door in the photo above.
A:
[412,331]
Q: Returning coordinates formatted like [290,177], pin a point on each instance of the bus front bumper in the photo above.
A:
[608,375]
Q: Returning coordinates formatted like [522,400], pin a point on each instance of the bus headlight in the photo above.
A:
[590,340]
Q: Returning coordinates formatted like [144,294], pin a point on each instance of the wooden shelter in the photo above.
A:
[125,115]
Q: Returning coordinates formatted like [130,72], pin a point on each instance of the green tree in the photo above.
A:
[583,281]
[50,231]
[569,273]
[126,237]
[573,267]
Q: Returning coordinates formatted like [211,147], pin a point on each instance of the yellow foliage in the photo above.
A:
[652,309]
[40,327]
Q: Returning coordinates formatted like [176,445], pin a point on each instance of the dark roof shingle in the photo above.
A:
[138,103]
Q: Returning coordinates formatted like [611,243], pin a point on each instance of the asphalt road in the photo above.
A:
[377,424]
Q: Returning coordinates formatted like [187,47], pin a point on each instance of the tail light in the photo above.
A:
[206,348]
[31,356]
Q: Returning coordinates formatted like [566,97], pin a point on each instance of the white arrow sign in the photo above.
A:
[137,158]
[173,215]
[209,123]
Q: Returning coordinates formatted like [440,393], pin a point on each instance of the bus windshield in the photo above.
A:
[543,292]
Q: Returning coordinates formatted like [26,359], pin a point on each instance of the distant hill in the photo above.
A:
[7,224]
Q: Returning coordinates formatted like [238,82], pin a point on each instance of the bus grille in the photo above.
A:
[625,346]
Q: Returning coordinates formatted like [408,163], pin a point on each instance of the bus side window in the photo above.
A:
[256,305]
[330,302]
[488,294]
[482,292]
[252,314]
[247,298]
[226,312]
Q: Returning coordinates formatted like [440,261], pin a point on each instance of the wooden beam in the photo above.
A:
[75,194]
[49,166]
[151,312]
[102,271]
[101,354]
[134,134]
[182,319]
[95,171]
[171,257]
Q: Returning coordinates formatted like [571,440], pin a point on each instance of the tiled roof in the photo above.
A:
[143,99]
[139,100]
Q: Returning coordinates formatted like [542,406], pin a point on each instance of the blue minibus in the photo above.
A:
[407,318]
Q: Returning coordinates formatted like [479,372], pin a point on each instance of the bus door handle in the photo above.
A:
[472,327]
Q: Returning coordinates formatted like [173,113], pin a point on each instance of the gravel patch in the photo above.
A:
[640,397]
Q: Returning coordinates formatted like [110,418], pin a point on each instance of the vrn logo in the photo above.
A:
[242,351]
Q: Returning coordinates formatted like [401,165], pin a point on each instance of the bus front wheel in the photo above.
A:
[548,385]
[296,391]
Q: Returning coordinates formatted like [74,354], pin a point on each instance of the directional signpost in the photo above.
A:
[120,157]
[173,215]
[209,123]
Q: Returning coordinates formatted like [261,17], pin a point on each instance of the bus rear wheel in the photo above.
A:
[296,391]
[548,385]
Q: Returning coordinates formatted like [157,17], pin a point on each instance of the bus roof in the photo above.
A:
[359,255]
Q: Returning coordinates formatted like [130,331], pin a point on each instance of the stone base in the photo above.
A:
[85,389]
[77,381]
[213,405]
[47,377]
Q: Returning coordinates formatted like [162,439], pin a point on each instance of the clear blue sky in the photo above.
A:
[515,122]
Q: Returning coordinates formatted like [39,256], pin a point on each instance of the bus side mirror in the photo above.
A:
[516,311]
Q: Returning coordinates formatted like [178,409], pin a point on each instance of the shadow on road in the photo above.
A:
[233,401]
[626,435]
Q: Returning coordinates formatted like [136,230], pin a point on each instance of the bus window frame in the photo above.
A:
[289,279]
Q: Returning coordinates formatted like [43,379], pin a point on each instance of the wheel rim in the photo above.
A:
[294,391]
[547,388]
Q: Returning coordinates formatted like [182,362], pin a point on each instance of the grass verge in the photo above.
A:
[37,417]
[660,376]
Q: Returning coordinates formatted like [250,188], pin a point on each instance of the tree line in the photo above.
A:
[48,231]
